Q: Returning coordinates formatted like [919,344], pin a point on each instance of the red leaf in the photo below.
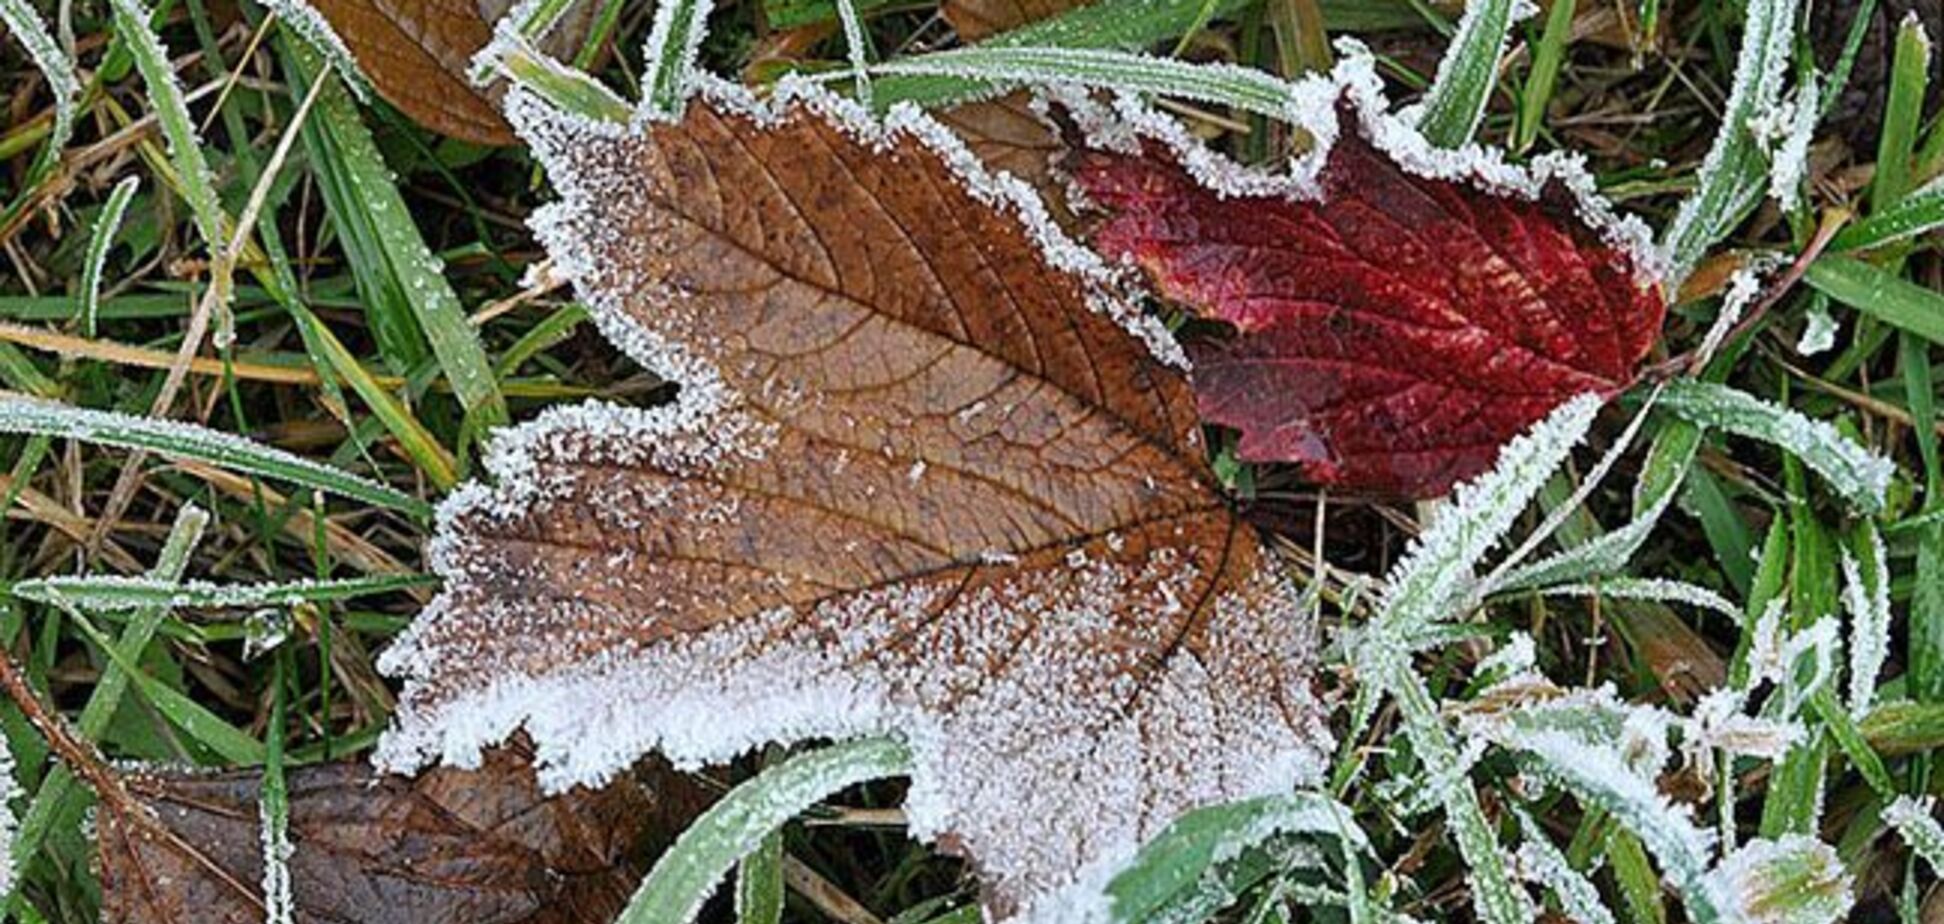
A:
[1395,331]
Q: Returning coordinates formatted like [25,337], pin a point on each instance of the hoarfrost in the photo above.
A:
[278,905]
[1794,879]
[1661,589]
[1915,819]
[1789,164]
[1818,330]
[1867,598]
[1541,863]
[1517,656]
[9,790]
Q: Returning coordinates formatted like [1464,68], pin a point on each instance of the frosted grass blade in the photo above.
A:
[711,846]
[172,114]
[174,439]
[103,239]
[1185,852]
[1861,476]
[63,83]
[57,788]
[97,593]
[566,88]
[1242,88]
[1731,180]
[673,43]
[1455,104]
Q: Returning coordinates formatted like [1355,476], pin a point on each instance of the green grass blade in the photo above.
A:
[1731,178]
[418,444]
[228,742]
[1903,115]
[174,439]
[674,40]
[759,883]
[366,193]
[58,787]
[1185,853]
[565,88]
[711,846]
[1885,296]
[1455,104]
[1860,476]
[1547,57]
[172,114]
[103,239]
[1918,212]
[1242,88]
[20,18]
[97,593]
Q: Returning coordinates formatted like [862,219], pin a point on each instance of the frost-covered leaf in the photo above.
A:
[924,477]
[1791,880]
[416,54]
[450,847]
[1397,321]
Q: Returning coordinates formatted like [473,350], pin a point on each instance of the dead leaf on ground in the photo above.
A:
[450,847]
[926,476]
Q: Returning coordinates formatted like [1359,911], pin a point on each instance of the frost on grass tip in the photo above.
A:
[914,483]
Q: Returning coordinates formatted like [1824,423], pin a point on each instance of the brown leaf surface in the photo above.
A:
[1006,135]
[976,19]
[915,484]
[459,846]
[417,54]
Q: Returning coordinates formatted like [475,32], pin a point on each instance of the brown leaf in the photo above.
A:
[417,54]
[461,846]
[1006,135]
[920,479]
[976,19]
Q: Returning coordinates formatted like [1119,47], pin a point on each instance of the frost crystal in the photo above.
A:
[1818,330]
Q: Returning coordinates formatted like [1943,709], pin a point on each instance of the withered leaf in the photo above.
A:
[457,846]
[1393,328]
[976,19]
[924,477]
[417,53]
